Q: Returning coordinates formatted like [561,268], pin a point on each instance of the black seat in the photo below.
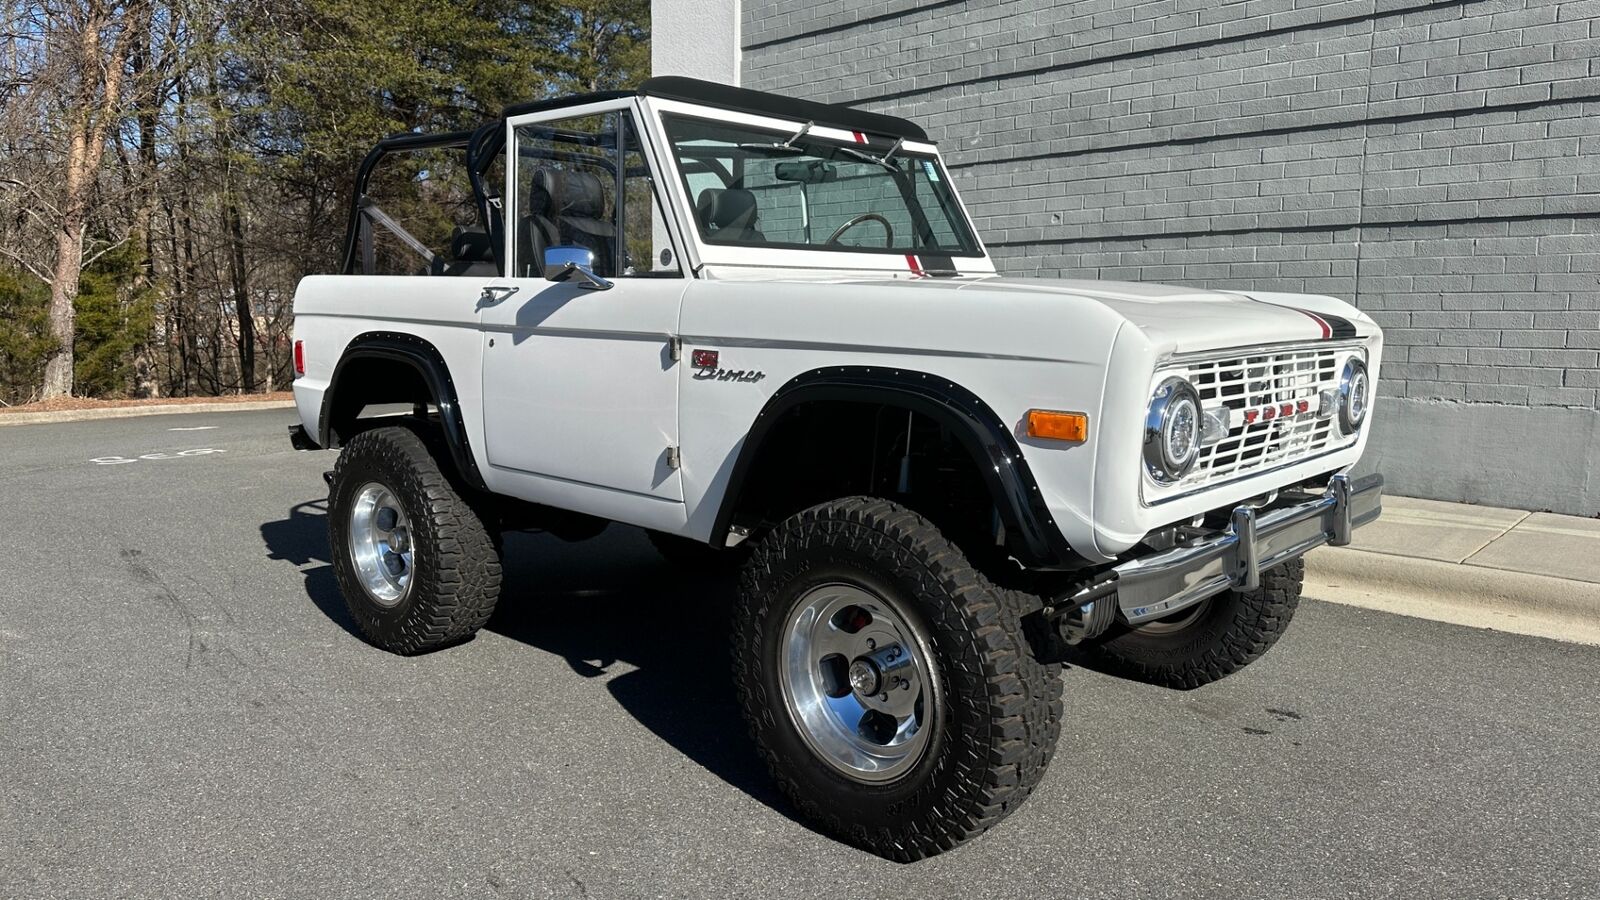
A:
[565,209]
[469,254]
[729,214]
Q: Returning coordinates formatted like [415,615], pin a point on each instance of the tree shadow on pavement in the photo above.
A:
[605,604]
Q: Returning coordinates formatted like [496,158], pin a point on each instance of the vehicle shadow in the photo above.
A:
[604,605]
[302,540]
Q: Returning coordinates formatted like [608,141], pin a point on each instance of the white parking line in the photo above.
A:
[181,454]
[194,428]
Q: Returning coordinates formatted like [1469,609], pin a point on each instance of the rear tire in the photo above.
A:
[417,566]
[1207,642]
[934,767]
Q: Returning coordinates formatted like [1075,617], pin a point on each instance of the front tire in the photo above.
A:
[1208,641]
[417,566]
[886,682]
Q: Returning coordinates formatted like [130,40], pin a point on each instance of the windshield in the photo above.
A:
[754,187]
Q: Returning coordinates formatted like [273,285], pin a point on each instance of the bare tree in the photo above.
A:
[72,76]
[170,169]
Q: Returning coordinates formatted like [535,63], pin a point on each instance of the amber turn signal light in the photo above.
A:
[1058,426]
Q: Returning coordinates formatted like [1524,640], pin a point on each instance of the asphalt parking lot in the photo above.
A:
[184,711]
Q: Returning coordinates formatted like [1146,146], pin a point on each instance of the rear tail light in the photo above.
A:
[299,358]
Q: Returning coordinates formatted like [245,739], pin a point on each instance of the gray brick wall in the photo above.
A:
[1438,163]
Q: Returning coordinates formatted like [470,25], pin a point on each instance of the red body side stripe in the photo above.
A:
[916,267]
[860,138]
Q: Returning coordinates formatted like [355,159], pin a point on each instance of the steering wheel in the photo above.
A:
[888,230]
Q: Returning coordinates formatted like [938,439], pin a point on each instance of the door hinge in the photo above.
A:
[673,459]
[675,348]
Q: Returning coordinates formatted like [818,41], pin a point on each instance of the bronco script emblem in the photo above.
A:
[706,368]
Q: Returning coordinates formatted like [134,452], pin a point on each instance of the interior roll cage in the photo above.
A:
[478,148]
[481,145]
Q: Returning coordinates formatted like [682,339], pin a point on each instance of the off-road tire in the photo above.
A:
[696,556]
[457,574]
[1227,635]
[1001,710]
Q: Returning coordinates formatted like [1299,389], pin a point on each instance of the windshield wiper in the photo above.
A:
[786,147]
[878,160]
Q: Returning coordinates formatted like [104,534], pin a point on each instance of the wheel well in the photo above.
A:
[366,386]
[826,449]
[388,373]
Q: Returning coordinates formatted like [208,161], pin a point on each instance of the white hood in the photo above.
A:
[1187,320]
[1173,319]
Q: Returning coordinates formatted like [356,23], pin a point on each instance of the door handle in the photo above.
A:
[494,293]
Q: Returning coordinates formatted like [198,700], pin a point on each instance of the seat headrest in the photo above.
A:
[558,192]
[470,245]
[721,208]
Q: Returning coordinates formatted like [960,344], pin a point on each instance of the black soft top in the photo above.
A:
[693,90]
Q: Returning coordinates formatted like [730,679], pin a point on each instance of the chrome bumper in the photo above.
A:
[1162,583]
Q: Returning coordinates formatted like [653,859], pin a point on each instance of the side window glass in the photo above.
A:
[584,182]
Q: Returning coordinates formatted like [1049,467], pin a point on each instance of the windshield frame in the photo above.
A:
[975,261]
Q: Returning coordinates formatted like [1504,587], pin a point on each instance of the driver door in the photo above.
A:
[579,384]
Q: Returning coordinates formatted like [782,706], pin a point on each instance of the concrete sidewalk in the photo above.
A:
[1531,573]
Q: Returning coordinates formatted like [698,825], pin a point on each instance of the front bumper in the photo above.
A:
[1162,583]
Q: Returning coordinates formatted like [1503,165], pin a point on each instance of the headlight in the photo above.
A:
[1172,431]
[1354,395]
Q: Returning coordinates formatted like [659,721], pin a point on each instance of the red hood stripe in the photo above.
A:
[1327,330]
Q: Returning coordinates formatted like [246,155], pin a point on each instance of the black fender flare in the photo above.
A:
[435,373]
[1034,537]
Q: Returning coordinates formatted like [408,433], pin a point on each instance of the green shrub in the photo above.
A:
[24,335]
[113,319]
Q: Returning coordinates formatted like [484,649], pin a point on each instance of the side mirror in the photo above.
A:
[566,263]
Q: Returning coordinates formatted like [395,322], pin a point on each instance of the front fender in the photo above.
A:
[1030,526]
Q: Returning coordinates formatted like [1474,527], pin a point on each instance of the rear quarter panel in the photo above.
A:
[331,311]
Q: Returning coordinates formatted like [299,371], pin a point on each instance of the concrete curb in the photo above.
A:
[123,412]
[1475,596]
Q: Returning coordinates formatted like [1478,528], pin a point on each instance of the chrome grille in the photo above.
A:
[1254,382]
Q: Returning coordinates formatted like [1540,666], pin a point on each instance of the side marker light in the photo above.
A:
[1058,426]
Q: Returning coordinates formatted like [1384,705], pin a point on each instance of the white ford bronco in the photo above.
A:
[765,330]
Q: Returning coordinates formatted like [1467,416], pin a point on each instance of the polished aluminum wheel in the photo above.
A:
[381,544]
[858,682]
